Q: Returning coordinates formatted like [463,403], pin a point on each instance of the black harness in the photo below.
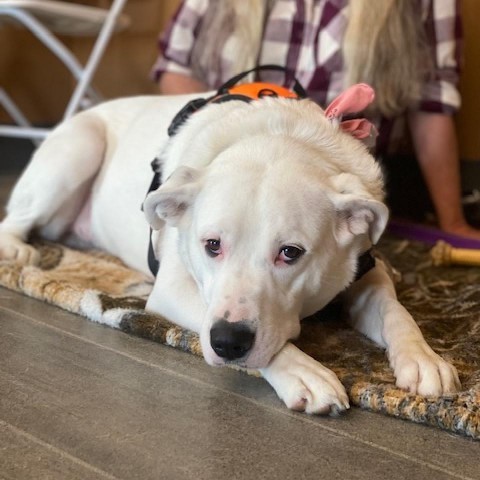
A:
[153,263]
[230,91]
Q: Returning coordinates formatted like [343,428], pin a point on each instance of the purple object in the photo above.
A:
[429,235]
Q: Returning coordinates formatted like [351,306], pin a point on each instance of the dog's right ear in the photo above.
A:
[359,216]
[172,200]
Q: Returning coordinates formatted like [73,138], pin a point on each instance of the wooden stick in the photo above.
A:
[444,254]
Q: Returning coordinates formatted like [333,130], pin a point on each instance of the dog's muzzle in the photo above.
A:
[231,340]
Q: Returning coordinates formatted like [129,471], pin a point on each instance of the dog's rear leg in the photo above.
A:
[52,188]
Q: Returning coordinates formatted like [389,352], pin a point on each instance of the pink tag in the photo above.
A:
[359,127]
[353,100]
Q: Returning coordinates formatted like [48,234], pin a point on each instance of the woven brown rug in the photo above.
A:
[444,301]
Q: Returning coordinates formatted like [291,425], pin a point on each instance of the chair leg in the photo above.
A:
[26,129]
[13,110]
[94,59]
[51,42]
[83,91]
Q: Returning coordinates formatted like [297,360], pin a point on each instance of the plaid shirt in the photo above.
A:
[306,35]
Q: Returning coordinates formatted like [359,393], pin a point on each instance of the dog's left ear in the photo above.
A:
[170,202]
[358,216]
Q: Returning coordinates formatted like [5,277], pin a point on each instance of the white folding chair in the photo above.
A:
[44,18]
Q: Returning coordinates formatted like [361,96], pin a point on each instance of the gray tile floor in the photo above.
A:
[82,401]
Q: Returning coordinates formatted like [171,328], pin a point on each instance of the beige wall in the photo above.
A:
[42,87]
[468,125]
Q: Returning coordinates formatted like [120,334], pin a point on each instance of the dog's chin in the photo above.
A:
[214,360]
[250,361]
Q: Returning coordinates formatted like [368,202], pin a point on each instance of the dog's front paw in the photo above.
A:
[305,384]
[418,369]
[15,249]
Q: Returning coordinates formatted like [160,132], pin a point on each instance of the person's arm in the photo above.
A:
[175,83]
[435,143]
[172,69]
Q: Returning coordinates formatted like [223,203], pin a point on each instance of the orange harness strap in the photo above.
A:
[257,90]
[245,92]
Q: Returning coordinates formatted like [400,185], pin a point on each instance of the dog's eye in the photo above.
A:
[290,253]
[213,247]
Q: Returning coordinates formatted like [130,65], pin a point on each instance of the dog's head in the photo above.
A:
[270,235]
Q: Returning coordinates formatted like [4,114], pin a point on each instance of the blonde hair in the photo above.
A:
[385,46]
[232,28]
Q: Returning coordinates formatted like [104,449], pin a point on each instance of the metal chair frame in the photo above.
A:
[25,12]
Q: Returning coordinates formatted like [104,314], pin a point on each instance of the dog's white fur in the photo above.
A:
[256,178]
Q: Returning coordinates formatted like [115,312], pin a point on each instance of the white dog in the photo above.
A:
[264,211]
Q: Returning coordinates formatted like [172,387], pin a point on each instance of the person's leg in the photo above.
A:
[436,149]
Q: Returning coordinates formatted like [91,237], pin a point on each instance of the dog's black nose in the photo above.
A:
[231,340]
